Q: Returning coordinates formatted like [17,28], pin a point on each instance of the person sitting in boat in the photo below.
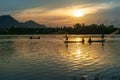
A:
[38,37]
[66,37]
[89,40]
[30,37]
[83,40]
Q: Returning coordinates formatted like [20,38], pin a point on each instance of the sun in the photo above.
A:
[78,13]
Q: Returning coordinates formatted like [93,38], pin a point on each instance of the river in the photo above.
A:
[49,58]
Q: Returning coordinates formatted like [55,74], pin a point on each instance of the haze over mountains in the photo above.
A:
[7,21]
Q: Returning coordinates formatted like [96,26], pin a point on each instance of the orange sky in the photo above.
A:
[56,14]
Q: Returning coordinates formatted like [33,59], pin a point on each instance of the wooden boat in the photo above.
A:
[74,41]
[34,37]
[97,41]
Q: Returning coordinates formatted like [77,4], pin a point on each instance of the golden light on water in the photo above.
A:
[84,55]
[74,56]
[78,53]
[77,39]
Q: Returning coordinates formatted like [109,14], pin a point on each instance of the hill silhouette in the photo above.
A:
[9,25]
[32,24]
[7,21]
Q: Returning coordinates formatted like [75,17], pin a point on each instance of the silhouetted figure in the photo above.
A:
[66,37]
[90,40]
[30,37]
[102,37]
[83,40]
[38,37]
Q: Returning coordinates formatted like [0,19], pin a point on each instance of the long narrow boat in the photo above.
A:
[31,37]
[74,41]
[97,41]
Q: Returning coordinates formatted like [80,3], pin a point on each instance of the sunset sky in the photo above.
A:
[63,12]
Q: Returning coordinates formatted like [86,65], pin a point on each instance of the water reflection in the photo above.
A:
[85,59]
[78,52]
[26,48]
[6,51]
[92,59]
[55,60]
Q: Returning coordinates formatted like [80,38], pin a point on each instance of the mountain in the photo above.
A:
[7,21]
[32,24]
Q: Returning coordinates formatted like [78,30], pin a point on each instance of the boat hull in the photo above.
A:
[96,41]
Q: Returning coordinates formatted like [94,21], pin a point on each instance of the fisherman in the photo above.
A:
[102,37]
[66,36]
[30,37]
[83,40]
[38,37]
[89,40]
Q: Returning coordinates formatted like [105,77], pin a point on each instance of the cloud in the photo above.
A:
[54,12]
[64,15]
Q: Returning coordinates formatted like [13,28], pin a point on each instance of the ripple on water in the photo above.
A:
[46,59]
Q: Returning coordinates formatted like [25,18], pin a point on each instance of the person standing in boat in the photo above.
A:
[102,37]
[66,37]
[89,40]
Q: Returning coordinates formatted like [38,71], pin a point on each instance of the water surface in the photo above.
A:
[49,58]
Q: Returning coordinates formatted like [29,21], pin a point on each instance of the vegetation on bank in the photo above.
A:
[76,29]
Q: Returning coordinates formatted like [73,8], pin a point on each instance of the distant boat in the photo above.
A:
[34,37]
[103,40]
[74,41]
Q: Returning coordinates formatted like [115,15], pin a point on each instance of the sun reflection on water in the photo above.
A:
[82,58]
[75,57]
[78,52]
[54,57]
